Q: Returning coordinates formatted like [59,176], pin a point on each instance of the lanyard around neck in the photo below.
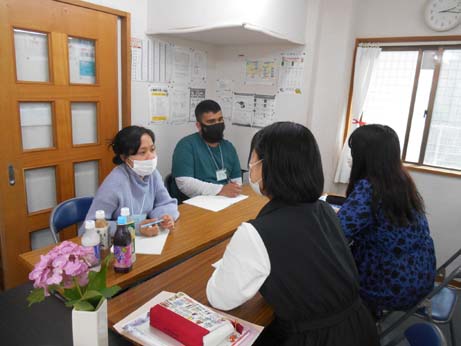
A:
[142,205]
[213,158]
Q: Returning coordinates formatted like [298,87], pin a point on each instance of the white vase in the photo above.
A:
[89,328]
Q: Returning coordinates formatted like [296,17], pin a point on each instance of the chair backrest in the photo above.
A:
[168,181]
[68,213]
[424,334]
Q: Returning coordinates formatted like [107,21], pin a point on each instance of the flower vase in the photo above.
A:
[90,327]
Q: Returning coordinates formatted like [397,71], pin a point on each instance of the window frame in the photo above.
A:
[420,44]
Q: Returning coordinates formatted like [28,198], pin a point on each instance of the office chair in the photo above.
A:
[68,213]
[438,306]
[424,334]
[168,181]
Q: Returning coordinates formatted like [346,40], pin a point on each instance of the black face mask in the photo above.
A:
[213,133]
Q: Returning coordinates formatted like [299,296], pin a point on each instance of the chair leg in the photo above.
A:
[452,333]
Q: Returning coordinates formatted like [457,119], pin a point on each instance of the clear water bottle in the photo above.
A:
[91,239]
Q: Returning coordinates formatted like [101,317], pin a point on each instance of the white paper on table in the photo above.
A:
[214,203]
[152,245]
[136,326]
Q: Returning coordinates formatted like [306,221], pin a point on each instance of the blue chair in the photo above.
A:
[68,213]
[424,334]
[438,306]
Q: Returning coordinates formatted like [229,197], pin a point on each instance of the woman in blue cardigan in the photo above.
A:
[384,216]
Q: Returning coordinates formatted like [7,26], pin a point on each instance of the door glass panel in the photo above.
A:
[86,175]
[40,188]
[36,125]
[41,238]
[82,61]
[31,51]
[84,123]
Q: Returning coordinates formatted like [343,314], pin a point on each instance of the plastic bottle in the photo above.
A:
[122,247]
[132,228]
[102,228]
[92,240]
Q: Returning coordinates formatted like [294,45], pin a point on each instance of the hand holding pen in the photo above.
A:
[149,227]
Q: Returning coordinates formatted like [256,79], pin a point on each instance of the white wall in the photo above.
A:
[284,17]
[342,22]
[332,26]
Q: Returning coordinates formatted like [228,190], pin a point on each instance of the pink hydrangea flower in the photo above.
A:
[61,265]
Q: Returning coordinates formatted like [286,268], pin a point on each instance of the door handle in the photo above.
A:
[11,178]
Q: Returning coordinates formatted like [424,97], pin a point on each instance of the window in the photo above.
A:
[416,90]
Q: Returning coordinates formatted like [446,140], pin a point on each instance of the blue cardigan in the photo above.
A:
[124,188]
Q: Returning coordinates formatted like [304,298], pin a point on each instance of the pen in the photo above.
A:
[152,223]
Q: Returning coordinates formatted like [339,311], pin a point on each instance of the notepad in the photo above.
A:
[214,203]
[136,326]
[152,245]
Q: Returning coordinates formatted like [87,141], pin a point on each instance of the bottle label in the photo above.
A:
[97,253]
[122,256]
[131,227]
[104,235]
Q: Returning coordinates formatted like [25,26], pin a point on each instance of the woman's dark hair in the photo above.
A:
[127,141]
[376,157]
[291,166]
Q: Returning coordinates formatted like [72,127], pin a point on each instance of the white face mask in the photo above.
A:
[144,167]
[254,184]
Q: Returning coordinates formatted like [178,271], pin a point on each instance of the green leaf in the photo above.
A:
[37,295]
[97,280]
[71,294]
[83,305]
[110,291]
[89,294]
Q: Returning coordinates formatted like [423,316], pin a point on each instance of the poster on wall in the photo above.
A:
[291,73]
[179,105]
[196,96]
[261,71]
[243,109]
[181,66]
[82,61]
[224,96]
[264,110]
[160,65]
[198,68]
[139,59]
[159,104]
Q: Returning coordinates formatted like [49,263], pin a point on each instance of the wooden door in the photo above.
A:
[58,112]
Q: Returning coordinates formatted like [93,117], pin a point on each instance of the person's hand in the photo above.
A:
[231,190]
[168,222]
[148,231]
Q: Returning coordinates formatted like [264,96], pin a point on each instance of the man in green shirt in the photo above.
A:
[204,163]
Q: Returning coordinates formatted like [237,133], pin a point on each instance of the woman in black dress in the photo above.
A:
[294,253]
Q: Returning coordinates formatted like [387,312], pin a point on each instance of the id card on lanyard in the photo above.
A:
[221,174]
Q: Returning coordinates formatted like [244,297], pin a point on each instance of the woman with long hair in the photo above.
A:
[385,218]
[294,253]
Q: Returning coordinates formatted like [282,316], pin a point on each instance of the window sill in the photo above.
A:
[432,170]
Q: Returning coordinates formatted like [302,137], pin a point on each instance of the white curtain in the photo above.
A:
[365,60]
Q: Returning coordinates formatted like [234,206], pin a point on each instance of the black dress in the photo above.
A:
[313,285]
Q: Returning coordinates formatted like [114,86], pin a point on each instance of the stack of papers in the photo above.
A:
[214,203]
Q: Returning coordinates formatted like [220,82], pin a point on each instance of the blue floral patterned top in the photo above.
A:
[396,264]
